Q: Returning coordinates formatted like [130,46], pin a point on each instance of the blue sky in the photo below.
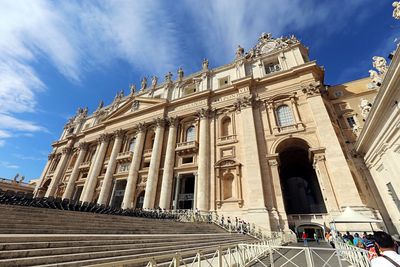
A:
[56,56]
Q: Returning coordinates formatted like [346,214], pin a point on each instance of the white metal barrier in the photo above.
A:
[356,256]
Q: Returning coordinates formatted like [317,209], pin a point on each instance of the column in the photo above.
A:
[134,168]
[106,186]
[272,118]
[295,110]
[251,166]
[82,147]
[44,172]
[166,186]
[154,168]
[342,179]
[177,189]
[325,181]
[203,177]
[196,179]
[90,186]
[66,151]
[273,162]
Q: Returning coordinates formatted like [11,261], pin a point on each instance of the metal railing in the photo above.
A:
[358,257]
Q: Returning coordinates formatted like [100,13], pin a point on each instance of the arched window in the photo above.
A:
[226,126]
[132,144]
[285,117]
[190,134]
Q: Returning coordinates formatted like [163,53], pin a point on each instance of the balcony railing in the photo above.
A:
[147,152]
[125,156]
[187,147]
[85,165]
[183,197]
[227,139]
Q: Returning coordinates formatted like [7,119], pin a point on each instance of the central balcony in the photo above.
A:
[187,147]
[125,156]
[227,139]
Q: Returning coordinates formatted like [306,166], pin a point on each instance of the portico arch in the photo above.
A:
[299,182]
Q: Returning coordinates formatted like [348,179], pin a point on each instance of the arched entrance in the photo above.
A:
[299,182]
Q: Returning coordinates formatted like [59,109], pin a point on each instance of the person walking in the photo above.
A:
[304,237]
[316,237]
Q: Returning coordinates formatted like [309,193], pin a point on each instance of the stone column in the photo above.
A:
[44,172]
[342,179]
[177,189]
[154,168]
[203,189]
[324,181]
[196,187]
[95,169]
[295,110]
[251,164]
[106,186]
[66,151]
[273,162]
[83,146]
[134,168]
[272,117]
[166,186]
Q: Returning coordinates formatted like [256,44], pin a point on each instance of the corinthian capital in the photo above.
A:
[204,113]
[160,122]
[83,146]
[245,102]
[104,138]
[119,133]
[66,150]
[51,156]
[172,121]
[141,127]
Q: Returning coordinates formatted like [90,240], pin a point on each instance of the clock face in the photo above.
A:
[268,47]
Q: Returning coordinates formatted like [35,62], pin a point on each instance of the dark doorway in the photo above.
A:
[118,194]
[140,200]
[78,193]
[186,192]
[300,187]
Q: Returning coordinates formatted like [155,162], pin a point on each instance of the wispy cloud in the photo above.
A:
[8,165]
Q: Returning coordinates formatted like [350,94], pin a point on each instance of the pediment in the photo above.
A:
[135,105]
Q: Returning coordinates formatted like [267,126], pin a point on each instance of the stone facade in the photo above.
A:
[379,142]
[259,138]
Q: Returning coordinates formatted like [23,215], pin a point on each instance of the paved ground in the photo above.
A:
[319,256]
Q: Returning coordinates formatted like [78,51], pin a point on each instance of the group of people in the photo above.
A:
[239,225]
[383,249]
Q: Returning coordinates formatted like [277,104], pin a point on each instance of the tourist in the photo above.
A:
[370,247]
[330,240]
[222,220]
[349,236]
[236,223]
[316,237]
[357,241]
[387,256]
[304,237]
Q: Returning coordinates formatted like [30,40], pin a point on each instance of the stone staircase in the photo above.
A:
[46,237]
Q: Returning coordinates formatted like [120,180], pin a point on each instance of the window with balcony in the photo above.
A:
[190,134]
[351,121]
[272,67]
[284,116]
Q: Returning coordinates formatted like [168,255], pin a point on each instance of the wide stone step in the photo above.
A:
[143,259]
[32,245]
[30,261]
[93,248]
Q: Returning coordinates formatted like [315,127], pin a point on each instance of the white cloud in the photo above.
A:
[8,165]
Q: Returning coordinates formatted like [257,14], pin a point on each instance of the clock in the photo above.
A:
[268,47]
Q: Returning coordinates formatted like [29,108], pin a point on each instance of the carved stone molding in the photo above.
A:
[204,113]
[104,138]
[244,102]
[159,122]
[51,156]
[66,150]
[172,121]
[312,89]
[141,127]
[83,146]
[119,133]
[273,162]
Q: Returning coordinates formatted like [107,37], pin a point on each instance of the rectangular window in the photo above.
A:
[223,81]
[351,121]
[272,67]
[187,160]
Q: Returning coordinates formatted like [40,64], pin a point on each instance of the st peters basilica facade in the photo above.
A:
[262,138]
